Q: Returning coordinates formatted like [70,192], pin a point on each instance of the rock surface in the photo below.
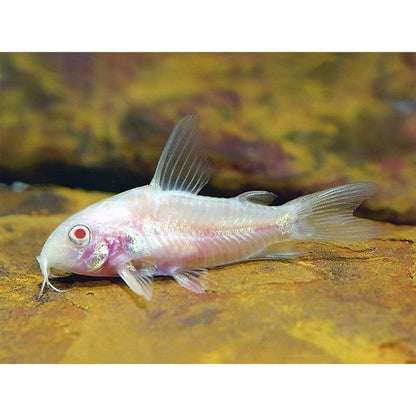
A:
[290,123]
[342,303]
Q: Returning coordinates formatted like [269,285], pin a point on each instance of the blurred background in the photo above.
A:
[291,123]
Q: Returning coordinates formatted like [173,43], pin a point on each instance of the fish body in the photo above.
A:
[166,228]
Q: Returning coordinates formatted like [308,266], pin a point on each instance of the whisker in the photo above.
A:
[42,288]
[55,288]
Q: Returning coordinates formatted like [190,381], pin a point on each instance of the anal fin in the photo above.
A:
[195,280]
[278,251]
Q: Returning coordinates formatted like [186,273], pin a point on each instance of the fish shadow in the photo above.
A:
[87,281]
[92,282]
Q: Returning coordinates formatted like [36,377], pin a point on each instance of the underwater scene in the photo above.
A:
[76,128]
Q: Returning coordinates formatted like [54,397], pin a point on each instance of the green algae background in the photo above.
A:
[289,123]
[292,123]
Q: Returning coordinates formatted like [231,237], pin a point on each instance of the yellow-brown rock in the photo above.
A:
[342,303]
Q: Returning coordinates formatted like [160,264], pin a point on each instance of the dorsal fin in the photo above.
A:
[257,197]
[182,166]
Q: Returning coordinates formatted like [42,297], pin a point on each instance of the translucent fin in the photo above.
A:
[194,280]
[182,166]
[138,280]
[257,197]
[328,215]
[278,251]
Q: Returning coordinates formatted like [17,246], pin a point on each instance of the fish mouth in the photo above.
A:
[46,272]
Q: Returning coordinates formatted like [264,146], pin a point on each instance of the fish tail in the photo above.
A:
[328,215]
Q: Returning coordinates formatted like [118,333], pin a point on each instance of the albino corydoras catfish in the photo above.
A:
[166,228]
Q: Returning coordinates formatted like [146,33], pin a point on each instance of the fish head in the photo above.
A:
[75,246]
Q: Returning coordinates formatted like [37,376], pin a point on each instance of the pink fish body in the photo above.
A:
[166,228]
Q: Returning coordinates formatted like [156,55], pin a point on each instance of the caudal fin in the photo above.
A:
[328,215]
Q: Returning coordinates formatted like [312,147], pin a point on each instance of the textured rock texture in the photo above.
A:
[342,303]
[290,123]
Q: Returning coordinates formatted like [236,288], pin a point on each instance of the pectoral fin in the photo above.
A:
[140,280]
[195,280]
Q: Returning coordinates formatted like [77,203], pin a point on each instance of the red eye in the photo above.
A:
[80,234]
